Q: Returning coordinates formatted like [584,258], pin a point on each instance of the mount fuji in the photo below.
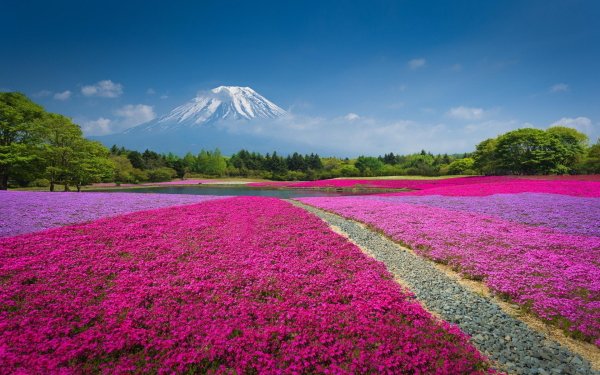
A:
[224,103]
[204,122]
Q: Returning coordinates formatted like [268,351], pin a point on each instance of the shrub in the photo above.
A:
[40,182]
[161,174]
[462,166]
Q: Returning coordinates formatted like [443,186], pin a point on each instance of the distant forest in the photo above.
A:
[134,166]
[41,149]
[528,151]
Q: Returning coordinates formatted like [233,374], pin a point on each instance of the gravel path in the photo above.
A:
[510,343]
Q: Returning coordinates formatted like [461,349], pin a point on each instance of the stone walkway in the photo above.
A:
[508,342]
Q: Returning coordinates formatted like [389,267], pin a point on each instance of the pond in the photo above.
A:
[237,191]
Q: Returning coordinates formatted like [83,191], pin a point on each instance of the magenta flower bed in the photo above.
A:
[554,274]
[566,187]
[24,211]
[577,215]
[462,186]
[237,285]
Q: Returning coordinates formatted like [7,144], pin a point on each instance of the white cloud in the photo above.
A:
[368,136]
[466,113]
[351,116]
[150,91]
[126,117]
[101,126]
[103,89]
[65,95]
[135,114]
[559,87]
[164,96]
[417,63]
[583,124]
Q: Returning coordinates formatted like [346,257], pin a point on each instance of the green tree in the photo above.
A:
[61,139]
[296,162]
[531,151]
[349,171]
[161,174]
[368,165]
[314,162]
[485,157]
[211,163]
[461,166]
[152,160]
[20,133]
[135,157]
[276,165]
[90,163]
[575,142]
[420,164]
[592,161]
[180,168]
[189,162]
[125,172]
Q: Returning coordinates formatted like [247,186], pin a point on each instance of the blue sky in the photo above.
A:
[443,74]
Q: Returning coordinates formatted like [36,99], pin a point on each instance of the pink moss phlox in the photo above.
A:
[235,285]
[461,186]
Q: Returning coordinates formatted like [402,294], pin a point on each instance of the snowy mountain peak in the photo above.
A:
[220,103]
[232,90]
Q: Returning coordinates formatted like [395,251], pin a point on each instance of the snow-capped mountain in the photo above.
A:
[221,103]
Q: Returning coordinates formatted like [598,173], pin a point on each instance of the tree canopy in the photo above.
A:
[529,151]
[36,144]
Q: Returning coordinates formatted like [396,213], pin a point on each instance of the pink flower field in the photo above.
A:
[238,285]
[554,274]
[461,186]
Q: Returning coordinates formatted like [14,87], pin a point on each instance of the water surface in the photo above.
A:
[236,191]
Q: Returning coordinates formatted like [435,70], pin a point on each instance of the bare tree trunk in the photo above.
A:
[79,188]
[4,180]
[67,187]
[51,185]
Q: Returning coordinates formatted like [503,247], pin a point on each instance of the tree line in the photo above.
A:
[44,149]
[134,167]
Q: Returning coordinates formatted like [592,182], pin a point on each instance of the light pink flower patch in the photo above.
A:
[26,211]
